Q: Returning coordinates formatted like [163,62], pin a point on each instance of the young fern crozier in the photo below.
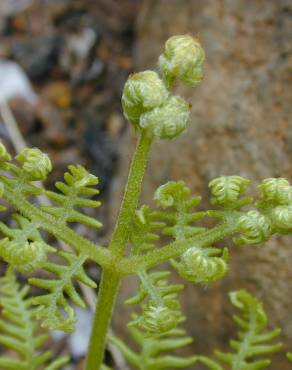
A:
[143,237]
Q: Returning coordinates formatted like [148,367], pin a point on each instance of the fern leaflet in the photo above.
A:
[151,355]
[19,330]
[76,190]
[53,307]
[253,340]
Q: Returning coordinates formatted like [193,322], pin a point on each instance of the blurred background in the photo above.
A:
[63,64]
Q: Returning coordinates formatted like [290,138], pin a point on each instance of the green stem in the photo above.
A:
[239,359]
[108,290]
[49,223]
[110,281]
[131,196]
[133,264]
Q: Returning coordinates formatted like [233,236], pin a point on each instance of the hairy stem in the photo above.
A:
[131,197]
[108,290]
[133,264]
[110,279]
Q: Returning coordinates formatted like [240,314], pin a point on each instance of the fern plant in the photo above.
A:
[253,340]
[19,331]
[175,232]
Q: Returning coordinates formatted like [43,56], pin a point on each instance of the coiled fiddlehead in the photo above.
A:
[35,164]
[276,202]
[51,306]
[167,120]
[142,92]
[276,191]
[253,340]
[147,102]
[160,306]
[19,331]
[202,265]
[226,190]
[182,59]
[23,247]
[255,228]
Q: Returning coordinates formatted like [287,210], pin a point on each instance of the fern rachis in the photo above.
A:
[143,238]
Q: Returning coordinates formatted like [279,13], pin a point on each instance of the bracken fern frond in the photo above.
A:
[76,192]
[158,298]
[19,330]
[54,308]
[253,340]
[155,351]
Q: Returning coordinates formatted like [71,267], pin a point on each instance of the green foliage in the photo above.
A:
[76,190]
[53,307]
[35,164]
[182,59]
[253,340]
[197,264]
[23,247]
[255,228]
[145,230]
[142,238]
[168,120]
[147,101]
[161,311]
[19,178]
[276,202]
[202,265]
[19,331]
[226,190]
[4,155]
[249,350]
[175,196]
[142,92]
[154,350]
